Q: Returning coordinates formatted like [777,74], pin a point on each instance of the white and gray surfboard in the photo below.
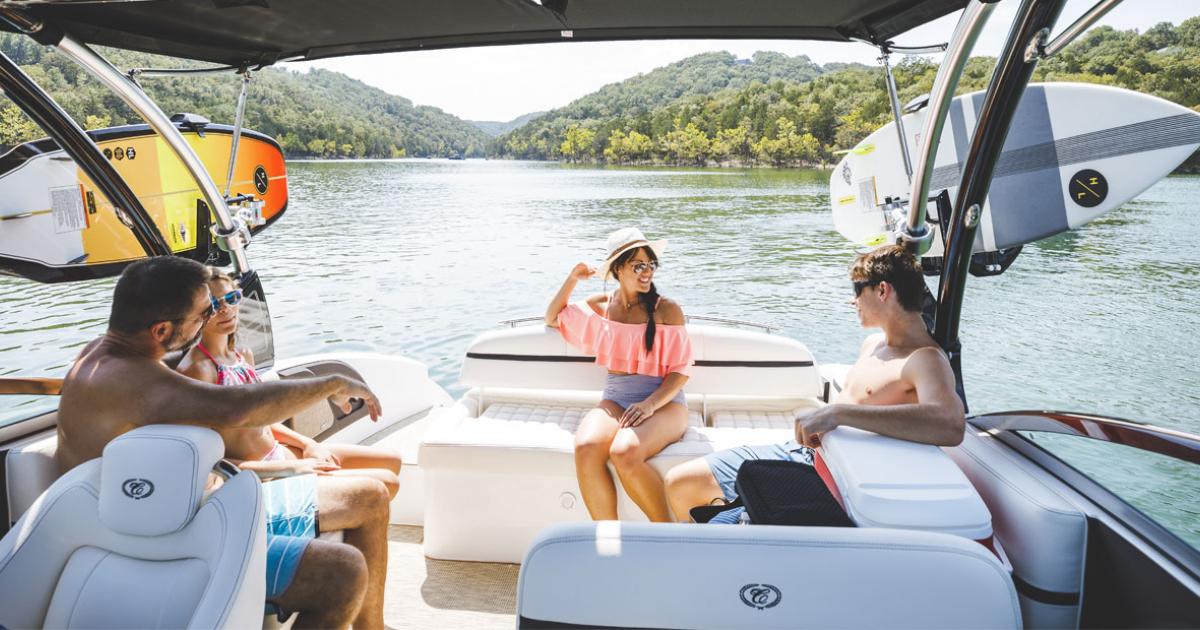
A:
[1074,152]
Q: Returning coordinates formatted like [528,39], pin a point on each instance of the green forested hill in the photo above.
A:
[318,113]
[634,100]
[495,128]
[791,121]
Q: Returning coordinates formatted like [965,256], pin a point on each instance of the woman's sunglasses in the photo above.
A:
[233,298]
[638,268]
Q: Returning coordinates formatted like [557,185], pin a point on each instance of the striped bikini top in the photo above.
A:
[240,373]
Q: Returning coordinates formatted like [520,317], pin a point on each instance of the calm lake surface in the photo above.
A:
[416,257]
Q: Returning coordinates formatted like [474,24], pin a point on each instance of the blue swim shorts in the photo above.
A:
[626,389]
[291,509]
[725,465]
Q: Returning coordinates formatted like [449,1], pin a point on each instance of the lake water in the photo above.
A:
[416,257]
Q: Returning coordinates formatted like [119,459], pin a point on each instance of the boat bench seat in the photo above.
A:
[494,480]
[626,575]
[499,464]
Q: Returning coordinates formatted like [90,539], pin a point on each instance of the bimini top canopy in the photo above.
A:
[255,32]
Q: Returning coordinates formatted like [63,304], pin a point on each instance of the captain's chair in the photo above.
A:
[130,541]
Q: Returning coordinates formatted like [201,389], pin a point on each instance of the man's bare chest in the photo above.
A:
[877,380]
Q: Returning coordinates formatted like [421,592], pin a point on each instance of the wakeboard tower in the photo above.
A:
[53,213]
[1073,153]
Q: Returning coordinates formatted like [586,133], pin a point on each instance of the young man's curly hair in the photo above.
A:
[896,266]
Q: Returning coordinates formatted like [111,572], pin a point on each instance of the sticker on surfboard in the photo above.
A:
[1074,152]
[51,214]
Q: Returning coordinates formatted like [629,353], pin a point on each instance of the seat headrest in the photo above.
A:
[152,479]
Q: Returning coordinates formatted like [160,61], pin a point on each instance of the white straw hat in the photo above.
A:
[626,239]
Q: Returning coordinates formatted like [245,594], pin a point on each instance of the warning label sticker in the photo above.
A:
[67,207]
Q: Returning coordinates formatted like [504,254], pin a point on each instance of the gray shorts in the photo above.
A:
[725,464]
[631,388]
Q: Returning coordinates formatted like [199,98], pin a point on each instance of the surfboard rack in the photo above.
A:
[983,264]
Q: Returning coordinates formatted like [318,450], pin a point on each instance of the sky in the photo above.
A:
[501,83]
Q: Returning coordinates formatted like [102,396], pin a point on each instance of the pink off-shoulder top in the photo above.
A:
[621,347]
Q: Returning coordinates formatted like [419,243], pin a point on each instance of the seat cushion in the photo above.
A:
[566,418]
[755,419]
[102,589]
[29,468]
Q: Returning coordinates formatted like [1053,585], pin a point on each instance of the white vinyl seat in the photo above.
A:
[624,575]
[1042,533]
[29,469]
[129,540]
[499,464]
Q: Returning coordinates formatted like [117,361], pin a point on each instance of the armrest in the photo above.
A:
[885,482]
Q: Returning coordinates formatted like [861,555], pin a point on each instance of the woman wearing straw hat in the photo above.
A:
[640,337]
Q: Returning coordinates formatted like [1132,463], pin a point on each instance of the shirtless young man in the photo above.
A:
[119,383]
[901,386]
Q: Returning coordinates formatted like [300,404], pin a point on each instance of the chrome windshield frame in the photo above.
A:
[1177,444]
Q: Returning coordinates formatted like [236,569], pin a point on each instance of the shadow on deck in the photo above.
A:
[425,593]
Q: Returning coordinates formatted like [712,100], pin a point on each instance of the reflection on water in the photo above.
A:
[416,257]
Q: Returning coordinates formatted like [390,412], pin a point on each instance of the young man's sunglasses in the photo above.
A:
[859,285]
[233,298]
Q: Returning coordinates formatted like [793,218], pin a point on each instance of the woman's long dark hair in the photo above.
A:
[648,299]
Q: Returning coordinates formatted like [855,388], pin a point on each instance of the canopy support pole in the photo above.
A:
[237,130]
[897,115]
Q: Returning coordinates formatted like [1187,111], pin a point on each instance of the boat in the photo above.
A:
[999,531]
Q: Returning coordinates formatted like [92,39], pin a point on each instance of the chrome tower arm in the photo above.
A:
[132,95]
[917,236]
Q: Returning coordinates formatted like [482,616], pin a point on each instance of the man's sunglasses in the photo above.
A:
[233,298]
[205,315]
[859,285]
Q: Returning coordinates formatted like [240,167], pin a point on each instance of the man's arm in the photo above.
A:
[937,418]
[165,396]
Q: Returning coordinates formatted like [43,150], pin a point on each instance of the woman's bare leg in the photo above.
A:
[592,441]
[373,461]
[633,446]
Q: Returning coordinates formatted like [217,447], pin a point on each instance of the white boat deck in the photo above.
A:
[425,593]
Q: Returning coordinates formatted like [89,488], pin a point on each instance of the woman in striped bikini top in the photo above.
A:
[277,449]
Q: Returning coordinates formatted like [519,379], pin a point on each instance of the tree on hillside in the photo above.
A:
[685,145]
[578,144]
